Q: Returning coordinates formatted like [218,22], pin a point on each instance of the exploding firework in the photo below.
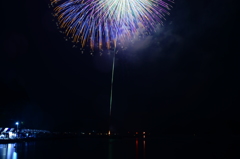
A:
[104,23]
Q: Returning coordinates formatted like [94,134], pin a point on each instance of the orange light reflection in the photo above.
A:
[136,148]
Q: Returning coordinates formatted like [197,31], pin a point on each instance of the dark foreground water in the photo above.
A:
[154,148]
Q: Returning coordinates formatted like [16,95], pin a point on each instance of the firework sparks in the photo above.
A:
[102,23]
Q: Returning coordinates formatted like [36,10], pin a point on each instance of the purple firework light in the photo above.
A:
[108,22]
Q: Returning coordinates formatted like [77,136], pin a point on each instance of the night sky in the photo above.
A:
[182,79]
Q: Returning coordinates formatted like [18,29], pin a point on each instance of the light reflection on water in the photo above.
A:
[7,151]
[116,149]
[136,148]
[138,145]
[144,149]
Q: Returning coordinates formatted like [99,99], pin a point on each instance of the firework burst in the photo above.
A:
[104,23]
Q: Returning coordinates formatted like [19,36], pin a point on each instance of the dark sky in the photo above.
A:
[187,73]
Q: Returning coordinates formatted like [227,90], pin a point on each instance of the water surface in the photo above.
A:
[154,148]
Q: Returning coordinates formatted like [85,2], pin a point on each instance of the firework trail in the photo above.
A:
[104,23]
